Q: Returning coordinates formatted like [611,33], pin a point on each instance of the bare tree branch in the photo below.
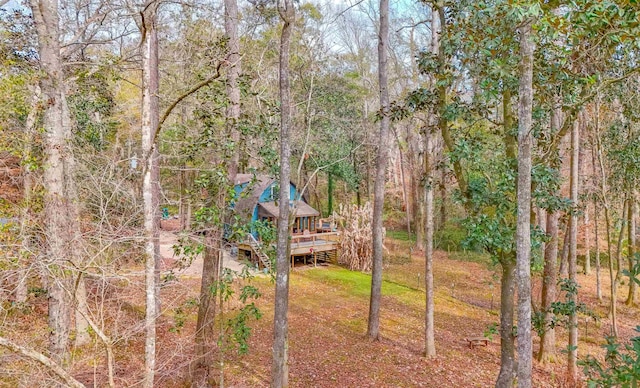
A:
[42,359]
[186,94]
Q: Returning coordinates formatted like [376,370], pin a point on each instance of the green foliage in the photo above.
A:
[239,328]
[563,310]
[490,331]
[634,274]
[92,105]
[450,238]
[621,366]
[181,314]
[235,331]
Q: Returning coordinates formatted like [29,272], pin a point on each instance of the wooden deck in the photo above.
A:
[315,242]
[305,246]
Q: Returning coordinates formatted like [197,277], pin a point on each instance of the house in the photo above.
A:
[257,199]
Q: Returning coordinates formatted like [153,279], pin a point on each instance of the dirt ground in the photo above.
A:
[328,318]
[328,310]
[169,236]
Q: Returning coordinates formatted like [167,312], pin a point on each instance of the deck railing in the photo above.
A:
[314,238]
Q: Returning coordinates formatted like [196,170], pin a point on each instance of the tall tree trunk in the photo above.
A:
[59,206]
[631,298]
[596,228]
[564,256]
[442,185]
[417,190]
[572,368]
[523,228]
[597,249]
[586,269]
[587,240]
[623,224]
[507,348]
[280,363]
[373,329]
[430,345]
[507,282]
[549,280]
[82,310]
[607,220]
[405,195]
[550,276]
[205,336]
[233,88]
[150,186]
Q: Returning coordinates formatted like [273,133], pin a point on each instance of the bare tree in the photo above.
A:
[607,219]
[573,318]
[373,329]
[43,360]
[280,366]
[151,185]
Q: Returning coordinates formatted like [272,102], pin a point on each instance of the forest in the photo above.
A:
[462,206]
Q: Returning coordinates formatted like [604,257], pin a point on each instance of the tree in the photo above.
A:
[218,199]
[151,185]
[430,346]
[61,212]
[280,367]
[523,229]
[373,327]
[573,319]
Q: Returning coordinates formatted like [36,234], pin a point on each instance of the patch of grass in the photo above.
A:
[354,283]
[470,256]
[401,235]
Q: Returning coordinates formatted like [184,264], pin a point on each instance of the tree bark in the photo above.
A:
[564,256]
[443,192]
[59,206]
[507,348]
[373,329]
[604,195]
[82,310]
[596,228]
[430,345]
[150,187]
[631,223]
[205,336]
[586,269]
[623,225]
[572,359]
[523,228]
[405,195]
[280,366]
[233,90]
[550,276]
[549,280]
[587,240]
